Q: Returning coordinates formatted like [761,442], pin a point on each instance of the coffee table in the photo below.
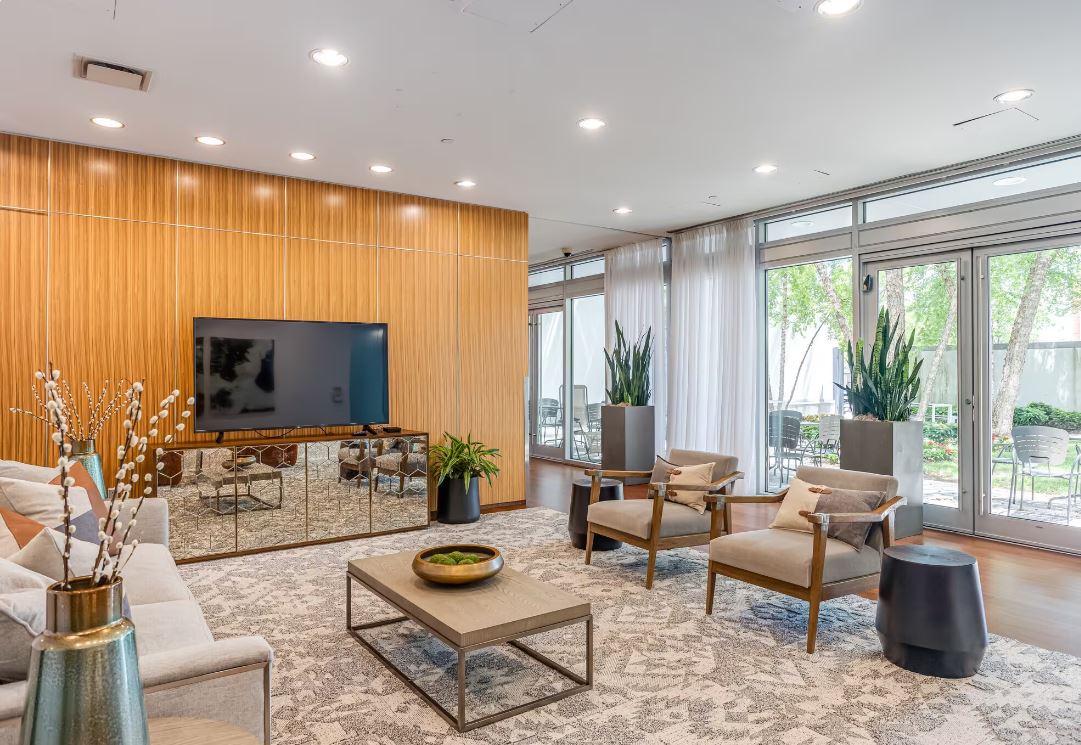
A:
[500,610]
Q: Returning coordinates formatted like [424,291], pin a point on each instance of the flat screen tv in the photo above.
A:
[259,374]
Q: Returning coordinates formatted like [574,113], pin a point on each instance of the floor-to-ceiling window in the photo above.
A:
[567,368]
[808,324]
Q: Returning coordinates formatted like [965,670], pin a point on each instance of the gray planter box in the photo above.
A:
[891,448]
[627,439]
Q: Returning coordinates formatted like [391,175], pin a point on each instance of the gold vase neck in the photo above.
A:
[84,607]
[83,447]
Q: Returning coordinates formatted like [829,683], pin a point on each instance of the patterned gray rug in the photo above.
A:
[665,673]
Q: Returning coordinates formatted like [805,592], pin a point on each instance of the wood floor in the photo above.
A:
[1029,594]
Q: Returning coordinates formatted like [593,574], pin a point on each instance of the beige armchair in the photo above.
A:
[809,566]
[654,524]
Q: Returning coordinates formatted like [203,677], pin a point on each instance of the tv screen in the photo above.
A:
[257,374]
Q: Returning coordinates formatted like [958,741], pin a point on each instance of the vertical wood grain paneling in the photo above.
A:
[330,281]
[228,199]
[108,183]
[22,334]
[111,290]
[416,301]
[24,171]
[228,275]
[493,348]
[418,222]
[330,212]
[495,233]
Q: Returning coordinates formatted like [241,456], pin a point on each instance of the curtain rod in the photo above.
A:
[920,178]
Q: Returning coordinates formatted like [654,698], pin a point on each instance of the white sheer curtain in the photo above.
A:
[712,344]
[634,296]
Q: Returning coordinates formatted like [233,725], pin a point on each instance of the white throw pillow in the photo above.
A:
[45,555]
[15,578]
[698,475]
[800,496]
[13,469]
[42,502]
[22,617]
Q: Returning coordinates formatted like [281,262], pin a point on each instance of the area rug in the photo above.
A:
[664,671]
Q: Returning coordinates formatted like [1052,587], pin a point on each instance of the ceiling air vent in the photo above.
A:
[111,73]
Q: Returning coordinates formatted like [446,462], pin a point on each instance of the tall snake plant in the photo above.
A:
[628,369]
[886,386]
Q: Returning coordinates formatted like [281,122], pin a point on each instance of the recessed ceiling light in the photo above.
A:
[1019,94]
[1010,181]
[465,183]
[622,210]
[836,7]
[765,168]
[301,156]
[379,168]
[104,121]
[803,224]
[591,123]
[209,140]
[329,57]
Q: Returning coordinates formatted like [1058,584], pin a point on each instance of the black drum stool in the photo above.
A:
[576,524]
[930,611]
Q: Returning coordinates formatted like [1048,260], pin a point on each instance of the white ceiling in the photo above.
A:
[696,93]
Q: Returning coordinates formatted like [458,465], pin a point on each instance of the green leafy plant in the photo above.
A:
[463,459]
[628,369]
[888,384]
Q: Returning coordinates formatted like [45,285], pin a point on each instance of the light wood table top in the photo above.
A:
[508,604]
[185,731]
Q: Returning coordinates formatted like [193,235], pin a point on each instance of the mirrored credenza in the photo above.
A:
[256,494]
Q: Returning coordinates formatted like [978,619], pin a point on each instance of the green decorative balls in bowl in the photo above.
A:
[457,564]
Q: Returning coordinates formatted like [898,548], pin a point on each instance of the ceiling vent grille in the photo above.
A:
[110,73]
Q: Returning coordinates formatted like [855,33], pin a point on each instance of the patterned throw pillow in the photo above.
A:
[86,526]
[44,554]
[42,502]
[849,500]
[16,531]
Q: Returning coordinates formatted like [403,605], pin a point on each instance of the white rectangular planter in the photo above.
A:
[891,448]
[627,439]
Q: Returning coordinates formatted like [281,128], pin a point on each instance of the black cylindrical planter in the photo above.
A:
[456,504]
[576,521]
[930,616]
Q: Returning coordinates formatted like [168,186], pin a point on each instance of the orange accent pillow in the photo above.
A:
[22,529]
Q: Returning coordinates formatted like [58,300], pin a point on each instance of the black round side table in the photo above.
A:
[930,611]
[576,524]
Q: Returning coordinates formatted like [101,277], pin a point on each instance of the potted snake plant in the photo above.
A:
[458,466]
[882,437]
[627,420]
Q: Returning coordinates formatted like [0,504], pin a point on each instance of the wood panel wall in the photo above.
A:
[107,256]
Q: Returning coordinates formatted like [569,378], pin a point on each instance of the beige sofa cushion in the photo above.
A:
[161,627]
[151,576]
[635,516]
[786,555]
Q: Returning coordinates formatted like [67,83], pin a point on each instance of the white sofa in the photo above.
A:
[185,671]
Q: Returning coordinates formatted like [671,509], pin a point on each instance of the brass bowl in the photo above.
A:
[458,574]
[242,461]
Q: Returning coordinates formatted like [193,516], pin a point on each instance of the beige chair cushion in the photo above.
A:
[635,516]
[700,475]
[798,498]
[786,555]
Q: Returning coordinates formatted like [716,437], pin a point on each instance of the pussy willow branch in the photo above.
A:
[56,409]
[133,410]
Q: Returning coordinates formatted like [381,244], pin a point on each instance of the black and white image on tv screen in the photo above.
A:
[240,376]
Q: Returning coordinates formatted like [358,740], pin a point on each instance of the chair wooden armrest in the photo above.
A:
[756,499]
[604,472]
[875,516]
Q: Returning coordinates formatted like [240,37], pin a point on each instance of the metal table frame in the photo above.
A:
[459,720]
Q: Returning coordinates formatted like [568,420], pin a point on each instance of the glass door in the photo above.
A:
[547,422]
[930,297]
[1029,365]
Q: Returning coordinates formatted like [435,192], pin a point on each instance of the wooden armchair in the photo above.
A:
[809,566]
[654,524]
